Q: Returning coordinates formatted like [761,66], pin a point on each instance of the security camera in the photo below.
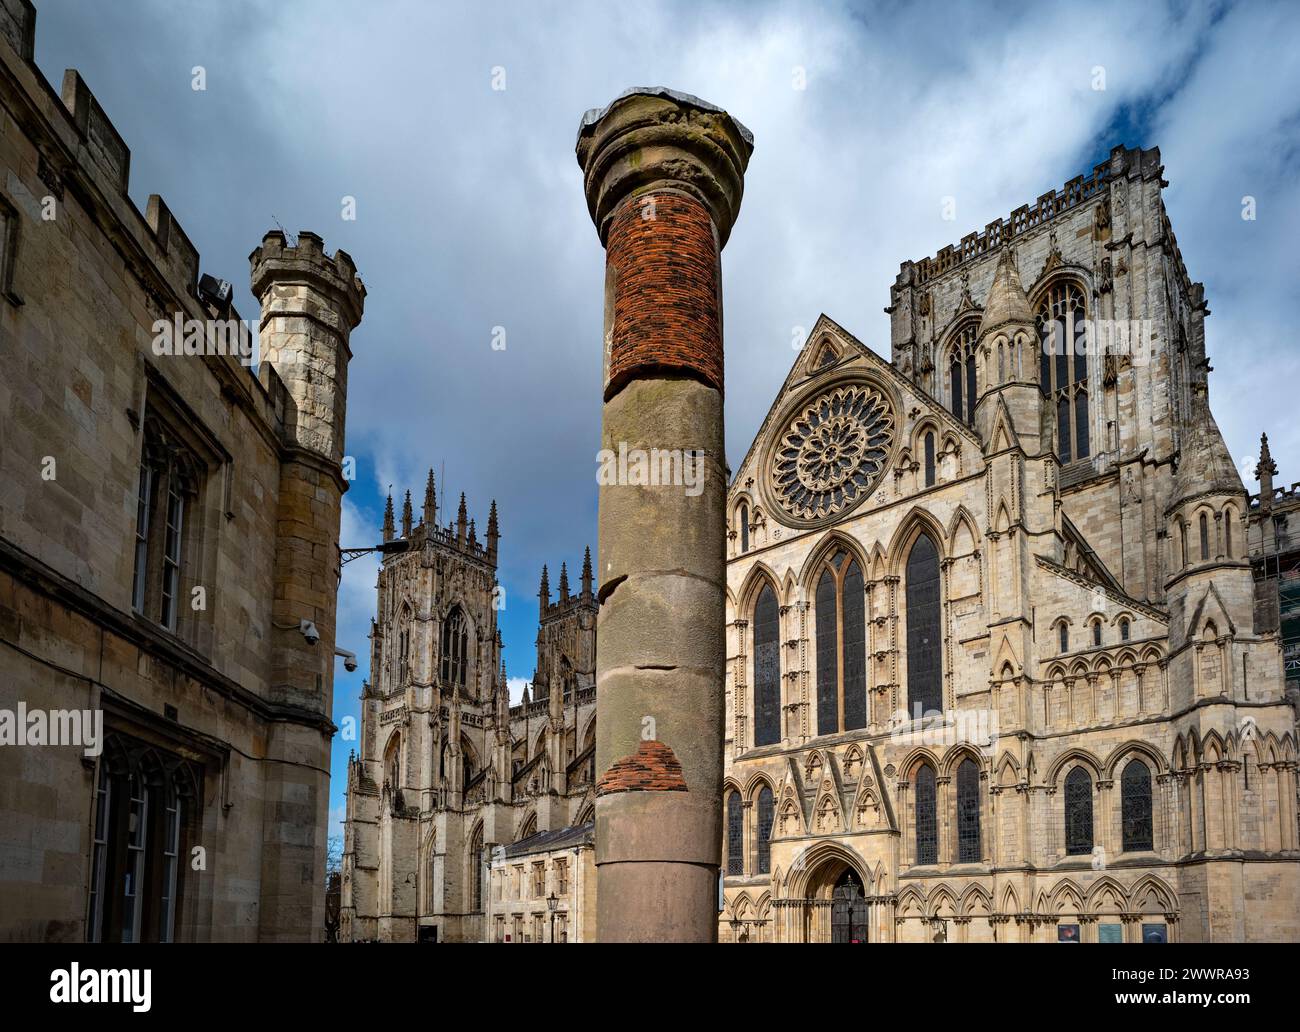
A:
[308,630]
[349,659]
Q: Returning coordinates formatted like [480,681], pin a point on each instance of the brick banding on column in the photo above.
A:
[652,768]
[666,302]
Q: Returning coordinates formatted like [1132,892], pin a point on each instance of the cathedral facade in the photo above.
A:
[450,773]
[994,667]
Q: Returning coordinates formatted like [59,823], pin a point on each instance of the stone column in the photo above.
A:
[663,174]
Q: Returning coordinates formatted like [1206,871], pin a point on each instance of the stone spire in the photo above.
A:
[586,573]
[461,520]
[430,502]
[388,518]
[1007,301]
[1204,465]
[473,535]
[493,534]
[564,582]
[544,592]
[406,516]
[1265,471]
[664,174]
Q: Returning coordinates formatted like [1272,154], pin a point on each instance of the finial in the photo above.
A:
[388,518]
[586,571]
[406,516]
[430,501]
[564,583]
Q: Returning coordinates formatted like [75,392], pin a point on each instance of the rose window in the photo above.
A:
[832,451]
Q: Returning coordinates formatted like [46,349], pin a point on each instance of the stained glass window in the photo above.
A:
[767,669]
[968,812]
[828,701]
[961,373]
[766,813]
[455,645]
[927,827]
[924,638]
[1135,806]
[1062,327]
[735,835]
[1078,812]
[855,649]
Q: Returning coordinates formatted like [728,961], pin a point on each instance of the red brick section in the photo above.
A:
[666,310]
[652,768]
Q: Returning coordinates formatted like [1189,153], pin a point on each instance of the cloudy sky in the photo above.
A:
[470,213]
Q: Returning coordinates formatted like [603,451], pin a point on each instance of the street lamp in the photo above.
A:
[552,901]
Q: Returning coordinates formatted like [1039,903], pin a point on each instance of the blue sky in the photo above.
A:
[470,214]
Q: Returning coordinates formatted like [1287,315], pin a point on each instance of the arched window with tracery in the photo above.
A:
[743,517]
[1078,812]
[924,629]
[766,816]
[767,669]
[735,834]
[968,812]
[1063,369]
[961,373]
[1135,806]
[927,816]
[455,648]
[841,647]
[476,858]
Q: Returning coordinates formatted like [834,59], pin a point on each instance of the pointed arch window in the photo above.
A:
[968,812]
[455,648]
[1096,633]
[924,634]
[1063,631]
[1125,628]
[1205,537]
[961,373]
[767,669]
[1227,533]
[735,835]
[476,858]
[1063,372]
[1135,806]
[841,647]
[1078,812]
[927,823]
[766,816]
[929,460]
[744,528]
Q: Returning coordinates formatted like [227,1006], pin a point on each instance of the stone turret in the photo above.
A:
[1009,410]
[310,303]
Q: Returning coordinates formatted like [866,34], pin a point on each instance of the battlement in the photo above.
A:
[275,260]
[84,153]
[1123,161]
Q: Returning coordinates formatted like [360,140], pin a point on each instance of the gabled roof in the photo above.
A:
[804,371]
[548,841]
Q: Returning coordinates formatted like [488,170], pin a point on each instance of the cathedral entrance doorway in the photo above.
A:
[848,910]
[829,898]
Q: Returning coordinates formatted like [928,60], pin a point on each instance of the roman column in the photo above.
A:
[664,174]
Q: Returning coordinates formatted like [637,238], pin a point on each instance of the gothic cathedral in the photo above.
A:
[994,672]
[448,769]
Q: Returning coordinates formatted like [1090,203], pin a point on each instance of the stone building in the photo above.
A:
[543,888]
[168,531]
[1275,557]
[448,769]
[995,668]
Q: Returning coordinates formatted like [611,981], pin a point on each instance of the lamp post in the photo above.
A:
[552,901]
